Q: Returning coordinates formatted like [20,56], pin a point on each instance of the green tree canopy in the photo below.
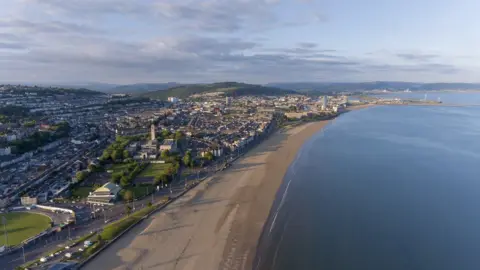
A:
[116,154]
[128,196]
[116,178]
[124,181]
[160,179]
[187,159]
[128,209]
[165,154]
[178,135]
[209,156]
[165,133]
[81,175]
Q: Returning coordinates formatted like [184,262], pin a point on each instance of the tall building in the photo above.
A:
[324,103]
[228,101]
[152,133]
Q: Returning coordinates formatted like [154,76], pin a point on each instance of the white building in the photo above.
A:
[228,101]
[5,151]
[173,99]
[324,103]
[107,194]
[11,137]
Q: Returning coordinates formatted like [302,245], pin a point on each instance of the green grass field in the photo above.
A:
[119,167]
[138,191]
[81,192]
[22,225]
[153,169]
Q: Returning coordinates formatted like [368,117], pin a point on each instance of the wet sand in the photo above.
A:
[217,224]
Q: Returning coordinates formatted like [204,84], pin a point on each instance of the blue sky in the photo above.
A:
[257,41]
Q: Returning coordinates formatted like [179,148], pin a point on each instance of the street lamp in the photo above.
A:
[23,250]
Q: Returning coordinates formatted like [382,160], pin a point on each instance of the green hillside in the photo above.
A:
[229,88]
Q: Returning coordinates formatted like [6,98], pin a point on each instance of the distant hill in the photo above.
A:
[140,88]
[229,88]
[41,90]
[365,86]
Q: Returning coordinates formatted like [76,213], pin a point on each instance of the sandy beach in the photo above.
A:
[217,224]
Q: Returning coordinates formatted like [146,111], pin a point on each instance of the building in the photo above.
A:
[5,151]
[28,200]
[169,144]
[106,194]
[228,101]
[173,99]
[324,103]
[153,136]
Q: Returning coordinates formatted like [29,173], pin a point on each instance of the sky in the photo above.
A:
[255,41]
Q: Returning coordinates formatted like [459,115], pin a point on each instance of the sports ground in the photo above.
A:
[21,226]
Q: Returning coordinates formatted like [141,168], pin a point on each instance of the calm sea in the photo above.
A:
[383,188]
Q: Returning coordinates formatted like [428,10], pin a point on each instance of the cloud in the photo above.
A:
[11,46]
[185,41]
[417,57]
[307,45]
[187,15]
[51,27]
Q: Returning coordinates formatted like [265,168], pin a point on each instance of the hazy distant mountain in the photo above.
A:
[230,89]
[140,88]
[365,86]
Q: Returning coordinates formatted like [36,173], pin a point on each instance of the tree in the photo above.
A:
[124,181]
[209,156]
[128,209]
[126,154]
[165,154]
[106,155]
[128,196]
[176,167]
[115,155]
[149,204]
[170,170]
[99,238]
[160,179]
[116,178]
[81,175]
[187,159]
[178,135]
[165,133]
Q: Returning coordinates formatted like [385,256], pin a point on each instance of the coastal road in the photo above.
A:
[216,225]
[84,225]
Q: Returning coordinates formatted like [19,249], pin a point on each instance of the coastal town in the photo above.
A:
[89,159]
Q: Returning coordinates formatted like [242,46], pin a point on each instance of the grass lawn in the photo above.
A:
[22,225]
[153,169]
[119,167]
[138,191]
[81,192]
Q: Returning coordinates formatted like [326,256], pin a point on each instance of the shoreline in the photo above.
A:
[247,227]
[216,225]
